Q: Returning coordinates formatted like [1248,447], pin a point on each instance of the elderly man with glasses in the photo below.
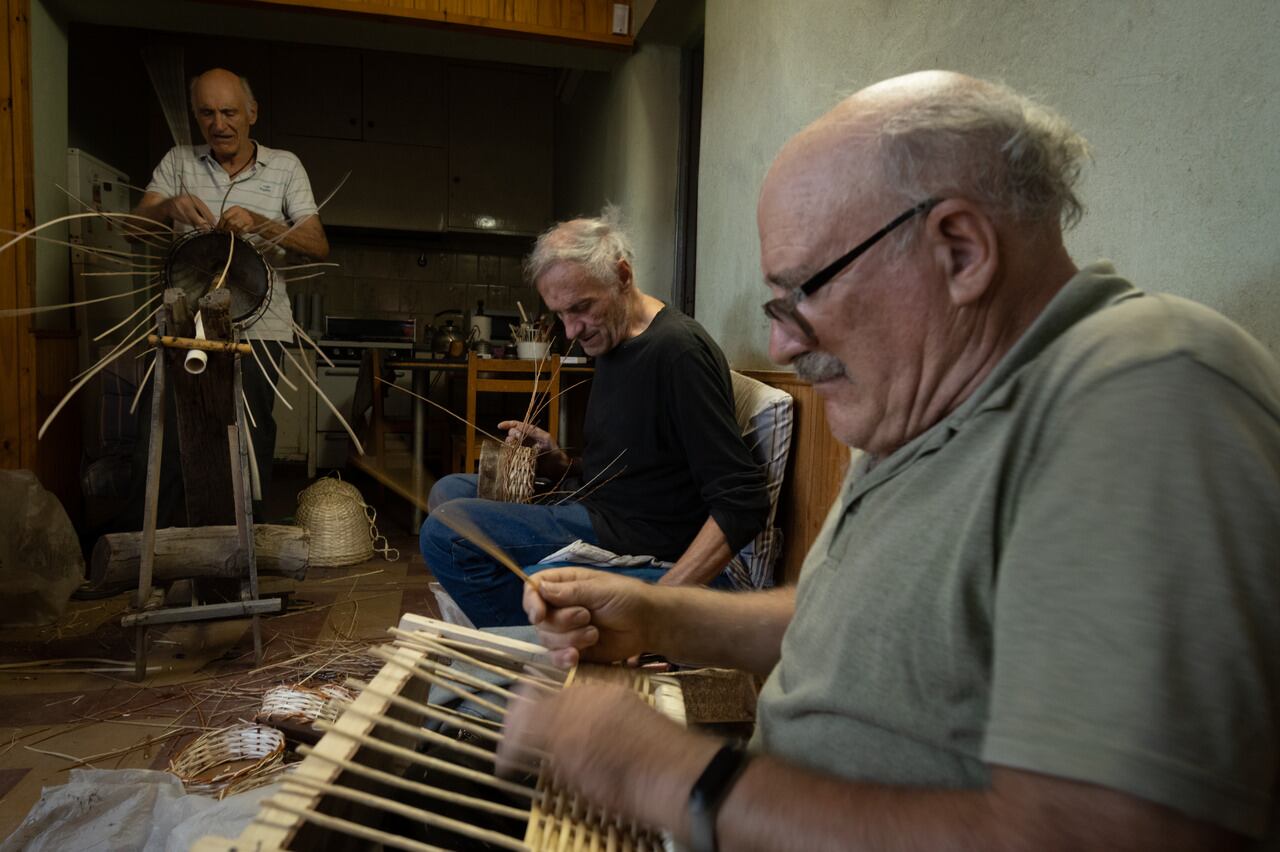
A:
[1043,612]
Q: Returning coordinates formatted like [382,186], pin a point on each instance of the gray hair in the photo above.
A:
[597,244]
[244,84]
[991,145]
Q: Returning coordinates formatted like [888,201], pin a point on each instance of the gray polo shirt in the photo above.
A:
[1076,573]
[275,186]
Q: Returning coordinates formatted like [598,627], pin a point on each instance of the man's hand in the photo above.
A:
[551,461]
[592,615]
[645,774]
[189,210]
[237,220]
[528,435]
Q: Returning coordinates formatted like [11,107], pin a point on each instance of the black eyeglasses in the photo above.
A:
[785,309]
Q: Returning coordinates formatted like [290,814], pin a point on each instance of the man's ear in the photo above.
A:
[966,246]
[253,113]
[624,276]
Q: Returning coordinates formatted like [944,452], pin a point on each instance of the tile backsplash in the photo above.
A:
[398,281]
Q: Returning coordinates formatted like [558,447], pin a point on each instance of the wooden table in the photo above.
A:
[422,368]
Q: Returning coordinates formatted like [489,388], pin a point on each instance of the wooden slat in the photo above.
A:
[815,470]
[17,265]
[272,829]
[569,20]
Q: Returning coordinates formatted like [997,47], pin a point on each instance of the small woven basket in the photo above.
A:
[506,472]
[229,757]
[338,528]
[341,525]
[330,485]
[304,704]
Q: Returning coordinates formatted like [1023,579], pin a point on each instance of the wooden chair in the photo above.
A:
[499,376]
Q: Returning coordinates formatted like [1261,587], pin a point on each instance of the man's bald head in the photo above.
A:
[222,77]
[225,111]
[973,184]
[943,134]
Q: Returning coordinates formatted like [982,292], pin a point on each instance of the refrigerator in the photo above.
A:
[105,188]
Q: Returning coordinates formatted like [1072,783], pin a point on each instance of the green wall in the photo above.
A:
[1177,98]
[616,141]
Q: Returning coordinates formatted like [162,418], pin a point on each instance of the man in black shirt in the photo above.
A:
[668,475]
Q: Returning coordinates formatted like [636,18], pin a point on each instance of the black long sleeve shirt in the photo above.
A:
[663,450]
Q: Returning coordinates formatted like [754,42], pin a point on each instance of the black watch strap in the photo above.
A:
[709,792]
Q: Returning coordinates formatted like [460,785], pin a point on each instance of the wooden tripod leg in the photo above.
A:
[146,562]
[242,489]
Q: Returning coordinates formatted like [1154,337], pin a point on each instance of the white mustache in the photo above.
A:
[816,367]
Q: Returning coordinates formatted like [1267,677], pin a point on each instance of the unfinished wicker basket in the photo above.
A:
[304,704]
[506,472]
[216,761]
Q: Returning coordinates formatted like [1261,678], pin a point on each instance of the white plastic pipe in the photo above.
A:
[197,359]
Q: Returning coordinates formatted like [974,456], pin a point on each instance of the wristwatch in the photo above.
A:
[709,792]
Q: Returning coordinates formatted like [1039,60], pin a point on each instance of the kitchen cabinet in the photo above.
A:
[404,99]
[316,91]
[295,433]
[332,93]
[431,146]
[500,149]
[399,187]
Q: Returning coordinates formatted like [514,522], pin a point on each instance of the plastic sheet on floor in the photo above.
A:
[104,810]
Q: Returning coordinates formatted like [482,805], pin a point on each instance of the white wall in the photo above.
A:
[49,137]
[617,141]
[1177,98]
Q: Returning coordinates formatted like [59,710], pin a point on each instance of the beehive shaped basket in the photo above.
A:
[335,515]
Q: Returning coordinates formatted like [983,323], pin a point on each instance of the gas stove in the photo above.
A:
[346,338]
[351,351]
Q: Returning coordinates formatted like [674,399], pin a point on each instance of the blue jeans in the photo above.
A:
[487,592]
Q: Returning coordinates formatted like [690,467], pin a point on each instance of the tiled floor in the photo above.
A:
[205,673]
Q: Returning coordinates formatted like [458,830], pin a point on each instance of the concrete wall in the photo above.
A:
[1177,98]
[616,141]
[49,132]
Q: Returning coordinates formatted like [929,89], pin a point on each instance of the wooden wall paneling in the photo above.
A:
[570,20]
[548,13]
[599,16]
[17,264]
[815,470]
[573,14]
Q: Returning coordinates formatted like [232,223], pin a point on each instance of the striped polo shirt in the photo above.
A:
[275,186]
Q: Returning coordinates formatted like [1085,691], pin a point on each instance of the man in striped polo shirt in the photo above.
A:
[233,183]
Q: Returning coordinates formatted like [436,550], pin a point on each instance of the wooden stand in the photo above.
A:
[203,412]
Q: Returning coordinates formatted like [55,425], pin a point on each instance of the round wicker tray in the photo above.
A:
[230,756]
[305,704]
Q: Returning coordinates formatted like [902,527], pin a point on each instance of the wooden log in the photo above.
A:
[199,552]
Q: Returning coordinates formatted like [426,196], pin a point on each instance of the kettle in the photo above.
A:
[442,341]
